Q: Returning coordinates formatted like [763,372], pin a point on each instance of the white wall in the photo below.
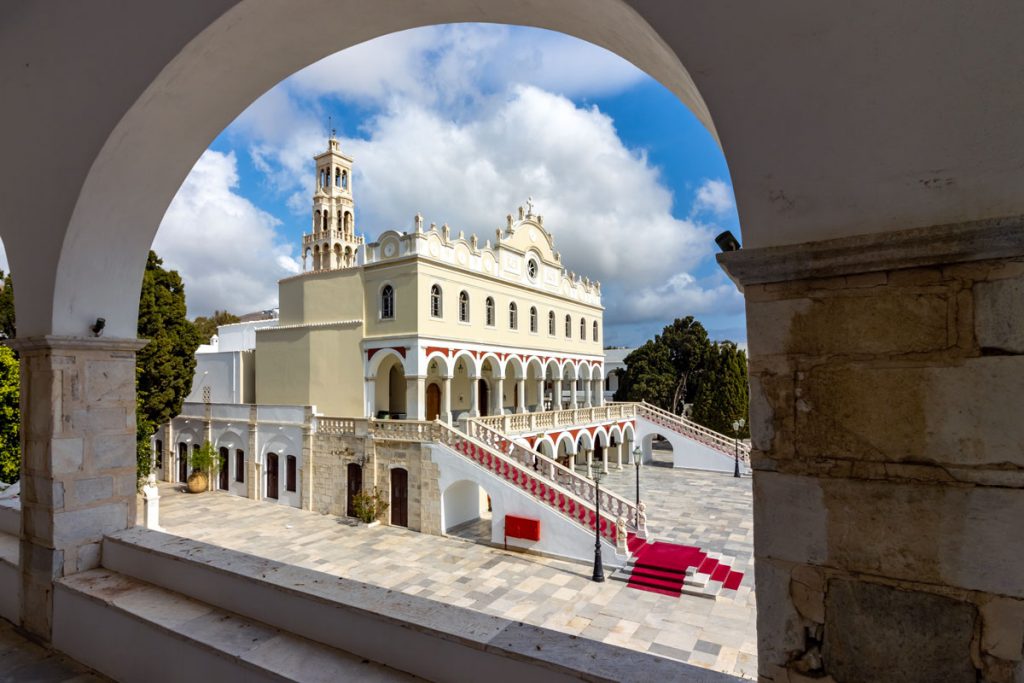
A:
[558,535]
[461,503]
[686,453]
[222,372]
[240,336]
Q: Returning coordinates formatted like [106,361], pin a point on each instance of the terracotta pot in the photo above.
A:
[197,482]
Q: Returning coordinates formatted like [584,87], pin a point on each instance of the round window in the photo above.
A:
[531,269]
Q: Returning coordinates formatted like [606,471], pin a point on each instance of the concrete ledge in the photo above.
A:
[189,636]
[429,639]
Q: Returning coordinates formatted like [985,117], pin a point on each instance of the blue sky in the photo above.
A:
[462,123]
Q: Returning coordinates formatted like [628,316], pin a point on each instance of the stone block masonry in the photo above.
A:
[78,478]
[888,459]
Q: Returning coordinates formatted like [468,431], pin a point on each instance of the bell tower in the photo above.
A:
[333,243]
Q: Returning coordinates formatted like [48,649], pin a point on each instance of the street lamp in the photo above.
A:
[736,427]
[598,564]
[637,461]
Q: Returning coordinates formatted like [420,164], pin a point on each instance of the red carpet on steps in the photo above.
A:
[660,567]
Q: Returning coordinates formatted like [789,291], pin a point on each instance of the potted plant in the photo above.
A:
[369,506]
[203,460]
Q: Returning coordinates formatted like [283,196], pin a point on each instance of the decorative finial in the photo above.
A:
[418,222]
[529,205]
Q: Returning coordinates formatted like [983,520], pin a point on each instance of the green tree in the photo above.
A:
[688,350]
[207,326]
[10,420]
[6,307]
[165,366]
[724,396]
[648,375]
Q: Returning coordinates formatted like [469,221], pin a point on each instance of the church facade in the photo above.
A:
[429,325]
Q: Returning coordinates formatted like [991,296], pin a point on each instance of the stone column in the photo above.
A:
[306,470]
[78,473]
[540,395]
[618,456]
[252,471]
[586,393]
[167,473]
[556,395]
[370,394]
[589,452]
[572,394]
[474,397]
[446,400]
[415,398]
[597,393]
[497,396]
[605,455]
[888,449]
[521,394]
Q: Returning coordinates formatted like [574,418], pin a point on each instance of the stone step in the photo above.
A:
[197,640]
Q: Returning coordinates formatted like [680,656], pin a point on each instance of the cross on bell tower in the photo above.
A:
[333,243]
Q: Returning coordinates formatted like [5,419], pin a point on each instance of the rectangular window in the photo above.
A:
[289,476]
[159,454]
[240,465]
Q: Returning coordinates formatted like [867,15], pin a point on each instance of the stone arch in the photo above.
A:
[381,355]
[465,501]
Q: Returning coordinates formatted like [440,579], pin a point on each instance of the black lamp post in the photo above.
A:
[736,427]
[598,564]
[637,461]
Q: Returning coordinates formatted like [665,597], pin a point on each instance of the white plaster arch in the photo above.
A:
[545,440]
[472,365]
[497,366]
[570,443]
[459,499]
[514,368]
[445,365]
[379,356]
[600,436]
[230,439]
[282,445]
[584,438]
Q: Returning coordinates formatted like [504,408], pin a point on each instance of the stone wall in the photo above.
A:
[332,453]
[889,461]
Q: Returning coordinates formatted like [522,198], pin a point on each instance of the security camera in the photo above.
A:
[727,242]
[97,327]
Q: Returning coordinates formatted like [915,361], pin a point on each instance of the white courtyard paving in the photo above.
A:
[706,509]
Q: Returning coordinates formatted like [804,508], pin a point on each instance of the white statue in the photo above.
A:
[641,520]
[529,206]
[151,498]
[620,534]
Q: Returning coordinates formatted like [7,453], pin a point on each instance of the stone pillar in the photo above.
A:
[605,455]
[556,395]
[540,395]
[618,456]
[498,397]
[415,398]
[306,470]
[572,394]
[252,473]
[597,393]
[446,400]
[474,397]
[167,473]
[888,450]
[589,453]
[370,394]
[78,473]
[586,393]
[521,394]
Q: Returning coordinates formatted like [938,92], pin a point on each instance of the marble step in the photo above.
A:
[198,641]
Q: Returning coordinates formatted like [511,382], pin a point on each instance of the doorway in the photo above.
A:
[272,475]
[222,474]
[483,397]
[433,402]
[182,462]
[355,485]
[400,497]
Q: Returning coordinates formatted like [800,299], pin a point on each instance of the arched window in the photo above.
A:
[595,330]
[533,318]
[551,322]
[340,224]
[324,224]
[489,308]
[387,303]
[513,316]
[464,306]
[344,180]
[568,326]
[337,177]
[583,329]
[435,301]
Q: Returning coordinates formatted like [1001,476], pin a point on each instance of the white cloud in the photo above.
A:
[714,196]
[225,248]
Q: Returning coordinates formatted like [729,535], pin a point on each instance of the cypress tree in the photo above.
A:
[723,396]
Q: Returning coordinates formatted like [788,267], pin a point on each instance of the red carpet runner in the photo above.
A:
[660,567]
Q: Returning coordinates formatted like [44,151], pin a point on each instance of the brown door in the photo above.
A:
[223,474]
[399,497]
[355,485]
[272,475]
[483,397]
[433,401]
[182,462]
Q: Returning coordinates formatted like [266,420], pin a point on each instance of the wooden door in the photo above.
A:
[483,397]
[272,475]
[355,485]
[433,401]
[223,474]
[182,462]
[400,497]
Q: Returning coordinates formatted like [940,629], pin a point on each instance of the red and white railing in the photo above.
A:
[692,430]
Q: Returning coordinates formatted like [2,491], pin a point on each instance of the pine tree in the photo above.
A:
[723,396]
[165,366]
[207,327]
[10,421]
[648,375]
